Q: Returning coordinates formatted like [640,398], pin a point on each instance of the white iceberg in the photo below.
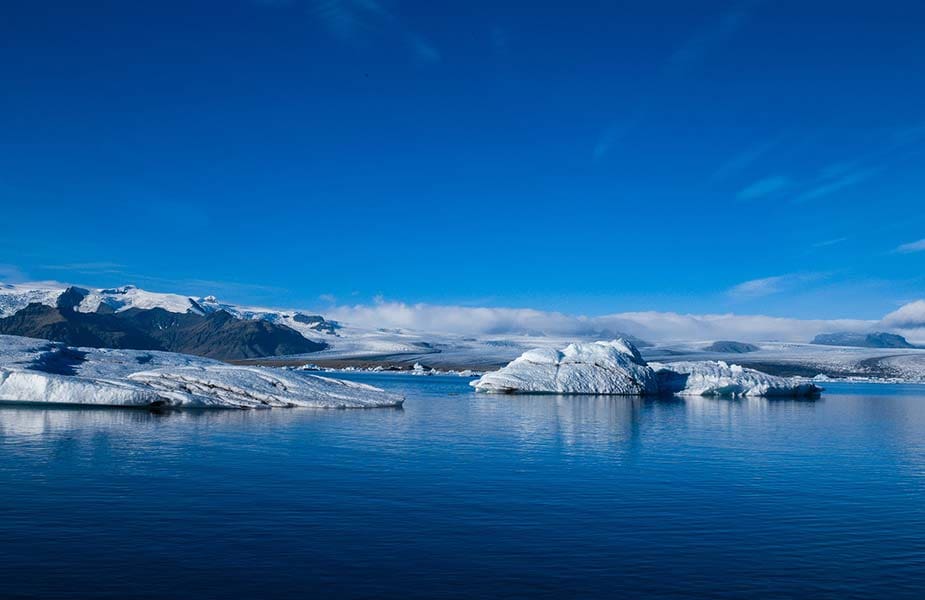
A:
[38,371]
[617,368]
[718,378]
[589,368]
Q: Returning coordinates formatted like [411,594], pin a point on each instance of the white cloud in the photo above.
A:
[908,316]
[744,160]
[832,242]
[918,246]
[766,286]
[94,268]
[354,20]
[652,326]
[715,33]
[765,187]
[423,49]
[835,183]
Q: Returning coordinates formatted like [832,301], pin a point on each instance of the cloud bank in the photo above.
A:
[651,326]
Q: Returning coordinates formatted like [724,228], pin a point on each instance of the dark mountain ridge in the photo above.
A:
[215,335]
[862,340]
[731,347]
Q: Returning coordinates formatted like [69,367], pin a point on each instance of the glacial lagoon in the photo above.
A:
[462,495]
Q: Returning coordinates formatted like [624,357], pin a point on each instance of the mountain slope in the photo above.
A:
[216,335]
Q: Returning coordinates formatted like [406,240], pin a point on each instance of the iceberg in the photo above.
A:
[587,368]
[718,378]
[38,371]
[617,368]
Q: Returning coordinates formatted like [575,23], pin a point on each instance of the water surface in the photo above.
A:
[462,496]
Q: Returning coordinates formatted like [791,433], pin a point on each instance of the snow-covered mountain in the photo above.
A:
[15,297]
[131,318]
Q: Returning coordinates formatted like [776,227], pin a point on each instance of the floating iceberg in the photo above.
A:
[47,372]
[617,368]
[717,378]
[595,368]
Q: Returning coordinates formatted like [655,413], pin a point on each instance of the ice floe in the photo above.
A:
[718,378]
[47,372]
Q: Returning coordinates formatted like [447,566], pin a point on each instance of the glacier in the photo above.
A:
[38,371]
[617,368]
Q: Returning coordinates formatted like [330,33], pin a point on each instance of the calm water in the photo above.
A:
[465,496]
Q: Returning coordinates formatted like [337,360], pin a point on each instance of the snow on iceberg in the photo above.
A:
[617,368]
[717,378]
[589,368]
[47,372]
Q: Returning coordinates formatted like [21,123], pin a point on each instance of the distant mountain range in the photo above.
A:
[129,318]
[863,340]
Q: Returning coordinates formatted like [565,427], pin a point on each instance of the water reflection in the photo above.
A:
[575,495]
[25,421]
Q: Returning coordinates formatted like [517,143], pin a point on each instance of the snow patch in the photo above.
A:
[129,296]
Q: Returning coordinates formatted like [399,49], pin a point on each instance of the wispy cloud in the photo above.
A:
[94,268]
[765,187]
[767,286]
[355,20]
[612,135]
[909,134]
[742,161]
[714,34]
[424,49]
[231,291]
[835,179]
[11,274]
[499,39]
[911,247]
[832,242]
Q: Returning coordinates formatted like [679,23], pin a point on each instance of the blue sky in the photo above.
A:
[587,157]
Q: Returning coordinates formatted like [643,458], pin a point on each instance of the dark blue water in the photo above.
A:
[469,496]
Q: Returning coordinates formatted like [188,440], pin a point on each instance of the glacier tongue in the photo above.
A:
[616,368]
[52,373]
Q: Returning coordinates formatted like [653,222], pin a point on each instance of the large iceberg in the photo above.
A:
[617,368]
[590,368]
[51,373]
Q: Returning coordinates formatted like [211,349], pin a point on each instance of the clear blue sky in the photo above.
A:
[589,157]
